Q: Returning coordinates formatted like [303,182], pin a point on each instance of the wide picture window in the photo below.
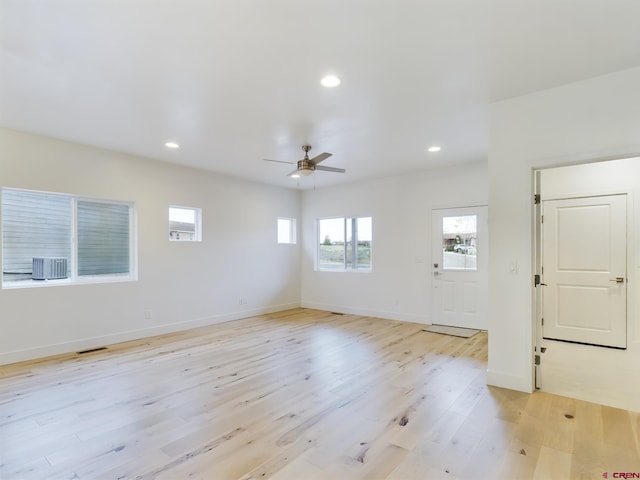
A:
[344,244]
[56,238]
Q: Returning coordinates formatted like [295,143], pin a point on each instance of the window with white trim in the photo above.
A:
[286,230]
[59,238]
[344,244]
[185,224]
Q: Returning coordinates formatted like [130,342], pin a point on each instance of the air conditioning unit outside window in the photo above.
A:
[48,268]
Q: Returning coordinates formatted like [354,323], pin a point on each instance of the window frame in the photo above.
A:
[292,229]
[197,224]
[350,225]
[74,278]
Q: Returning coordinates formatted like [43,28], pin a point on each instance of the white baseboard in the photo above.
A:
[101,341]
[404,317]
[509,381]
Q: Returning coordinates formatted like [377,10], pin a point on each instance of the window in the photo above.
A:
[64,238]
[344,244]
[459,237]
[286,230]
[184,224]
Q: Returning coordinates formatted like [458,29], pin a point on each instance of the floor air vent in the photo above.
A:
[91,350]
[48,268]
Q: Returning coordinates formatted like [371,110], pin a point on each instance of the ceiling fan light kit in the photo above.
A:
[307,166]
[304,172]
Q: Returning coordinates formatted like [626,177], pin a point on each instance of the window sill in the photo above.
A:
[345,270]
[88,280]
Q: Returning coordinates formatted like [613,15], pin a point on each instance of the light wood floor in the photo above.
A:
[301,394]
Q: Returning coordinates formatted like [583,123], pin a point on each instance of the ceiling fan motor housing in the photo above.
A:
[305,167]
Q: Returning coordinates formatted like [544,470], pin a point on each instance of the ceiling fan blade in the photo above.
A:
[330,169]
[291,173]
[318,158]
[278,161]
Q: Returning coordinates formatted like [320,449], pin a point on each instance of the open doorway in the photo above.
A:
[588,344]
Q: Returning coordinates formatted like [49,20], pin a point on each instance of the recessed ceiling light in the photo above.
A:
[171,145]
[330,81]
[433,149]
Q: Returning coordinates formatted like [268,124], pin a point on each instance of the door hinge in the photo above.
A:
[536,199]
[541,218]
[536,359]
[542,322]
[536,281]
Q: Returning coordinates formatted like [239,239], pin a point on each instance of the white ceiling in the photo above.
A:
[237,81]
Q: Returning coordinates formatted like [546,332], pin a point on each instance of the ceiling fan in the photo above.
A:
[307,165]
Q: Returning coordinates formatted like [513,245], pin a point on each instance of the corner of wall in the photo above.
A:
[509,381]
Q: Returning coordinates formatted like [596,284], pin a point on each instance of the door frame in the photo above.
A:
[537,272]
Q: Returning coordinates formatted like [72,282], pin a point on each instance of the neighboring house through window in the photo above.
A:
[66,238]
[185,224]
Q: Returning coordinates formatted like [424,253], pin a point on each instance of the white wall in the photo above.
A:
[593,119]
[181,284]
[400,283]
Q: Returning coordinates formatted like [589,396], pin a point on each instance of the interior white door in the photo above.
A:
[460,267]
[584,258]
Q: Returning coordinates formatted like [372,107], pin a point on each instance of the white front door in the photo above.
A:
[584,257]
[459,267]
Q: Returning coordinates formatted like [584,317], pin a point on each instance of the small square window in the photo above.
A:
[286,230]
[185,224]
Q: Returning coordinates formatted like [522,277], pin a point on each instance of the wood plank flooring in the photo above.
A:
[300,394]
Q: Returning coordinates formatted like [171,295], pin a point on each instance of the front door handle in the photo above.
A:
[617,280]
